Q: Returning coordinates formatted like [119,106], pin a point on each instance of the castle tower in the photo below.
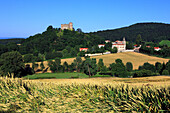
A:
[71,26]
[124,41]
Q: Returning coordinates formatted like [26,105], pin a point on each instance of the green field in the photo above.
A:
[61,75]
[165,42]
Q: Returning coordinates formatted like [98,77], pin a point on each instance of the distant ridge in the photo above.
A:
[11,40]
[150,31]
[1,38]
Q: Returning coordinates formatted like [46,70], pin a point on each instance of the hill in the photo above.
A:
[165,42]
[137,59]
[55,39]
[11,40]
[155,32]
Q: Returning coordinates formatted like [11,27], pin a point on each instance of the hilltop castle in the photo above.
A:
[67,26]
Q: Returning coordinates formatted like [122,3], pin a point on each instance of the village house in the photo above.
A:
[101,45]
[120,45]
[107,41]
[157,48]
[83,49]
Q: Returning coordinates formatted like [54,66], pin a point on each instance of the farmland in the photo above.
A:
[150,94]
[137,59]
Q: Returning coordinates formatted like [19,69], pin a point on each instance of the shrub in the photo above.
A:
[165,72]
[142,73]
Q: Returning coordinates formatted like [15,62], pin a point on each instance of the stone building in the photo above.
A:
[67,26]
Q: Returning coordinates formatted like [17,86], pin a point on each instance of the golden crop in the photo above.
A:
[77,96]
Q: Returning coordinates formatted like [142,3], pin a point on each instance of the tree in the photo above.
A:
[28,70]
[121,70]
[101,50]
[78,62]
[65,66]
[149,66]
[52,66]
[165,72]
[42,66]
[118,61]
[129,45]
[65,53]
[108,46]
[57,63]
[100,64]
[79,30]
[163,68]
[34,66]
[103,69]
[73,52]
[129,66]
[71,67]
[29,58]
[12,63]
[138,39]
[113,68]
[168,66]
[49,28]
[90,67]
[118,69]
[158,67]
[114,50]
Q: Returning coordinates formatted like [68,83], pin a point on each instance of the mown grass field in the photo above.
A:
[66,75]
[137,59]
[150,94]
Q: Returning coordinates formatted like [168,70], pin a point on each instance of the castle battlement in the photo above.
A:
[67,26]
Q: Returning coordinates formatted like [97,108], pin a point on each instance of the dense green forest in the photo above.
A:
[154,32]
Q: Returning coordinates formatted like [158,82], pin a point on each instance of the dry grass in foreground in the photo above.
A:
[104,95]
[137,59]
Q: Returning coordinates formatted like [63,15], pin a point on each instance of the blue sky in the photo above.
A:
[23,18]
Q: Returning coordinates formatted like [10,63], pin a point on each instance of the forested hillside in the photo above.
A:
[149,31]
[52,43]
[11,40]
[54,39]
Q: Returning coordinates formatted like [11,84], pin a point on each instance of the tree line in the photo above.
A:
[12,65]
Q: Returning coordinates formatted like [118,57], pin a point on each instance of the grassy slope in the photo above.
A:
[165,42]
[136,58]
[56,75]
[61,76]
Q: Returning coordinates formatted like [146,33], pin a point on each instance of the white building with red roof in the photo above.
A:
[120,45]
[101,45]
[107,41]
[83,49]
[157,48]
